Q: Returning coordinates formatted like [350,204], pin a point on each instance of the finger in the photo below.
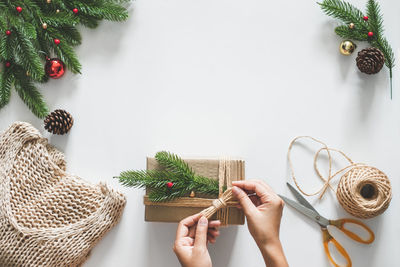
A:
[256,200]
[200,240]
[211,239]
[261,191]
[214,224]
[185,224]
[244,200]
[192,231]
[213,233]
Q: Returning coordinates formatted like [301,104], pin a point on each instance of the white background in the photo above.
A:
[226,78]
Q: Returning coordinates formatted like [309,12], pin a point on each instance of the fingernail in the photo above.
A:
[235,190]
[203,221]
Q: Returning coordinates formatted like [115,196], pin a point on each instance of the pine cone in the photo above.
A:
[58,122]
[370,60]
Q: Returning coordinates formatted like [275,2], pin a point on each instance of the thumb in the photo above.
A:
[245,202]
[200,240]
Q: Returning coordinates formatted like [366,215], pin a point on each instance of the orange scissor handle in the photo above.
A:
[327,238]
[340,224]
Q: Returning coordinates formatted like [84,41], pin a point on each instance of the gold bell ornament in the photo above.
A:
[347,47]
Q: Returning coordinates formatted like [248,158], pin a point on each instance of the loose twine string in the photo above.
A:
[357,178]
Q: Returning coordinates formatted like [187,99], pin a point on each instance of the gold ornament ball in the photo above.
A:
[351,25]
[347,47]
[57,11]
[44,26]
[48,1]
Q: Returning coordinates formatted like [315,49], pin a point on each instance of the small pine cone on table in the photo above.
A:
[370,60]
[58,122]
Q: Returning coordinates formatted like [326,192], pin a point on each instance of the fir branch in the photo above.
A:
[6,81]
[89,21]
[67,54]
[31,40]
[175,171]
[347,13]
[60,19]
[343,11]
[375,20]
[345,32]
[27,55]
[206,185]
[141,179]
[70,34]
[108,11]
[174,164]
[29,94]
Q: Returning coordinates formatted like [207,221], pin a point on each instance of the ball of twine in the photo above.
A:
[364,191]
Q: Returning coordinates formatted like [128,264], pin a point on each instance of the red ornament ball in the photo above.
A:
[75,10]
[57,41]
[370,34]
[8,64]
[8,32]
[365,18]
[170,184]
[54,68]
[19,9]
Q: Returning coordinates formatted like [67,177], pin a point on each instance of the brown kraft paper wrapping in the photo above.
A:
[176,210]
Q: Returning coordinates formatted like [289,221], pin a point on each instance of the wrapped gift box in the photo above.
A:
[176,210]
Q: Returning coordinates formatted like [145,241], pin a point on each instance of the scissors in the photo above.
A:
[308,210]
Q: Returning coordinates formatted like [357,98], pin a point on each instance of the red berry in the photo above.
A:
[8,32]
[19,9]
[75,10]
[8,64]
[57,41]
[365,18]
[170,184]
[370,34]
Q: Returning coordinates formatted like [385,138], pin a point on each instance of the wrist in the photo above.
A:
[273,254]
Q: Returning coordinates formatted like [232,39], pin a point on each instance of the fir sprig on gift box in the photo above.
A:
[175,179]
[360,27]
[31,30]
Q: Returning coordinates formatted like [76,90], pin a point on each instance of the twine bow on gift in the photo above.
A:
[226,199]
[220,205]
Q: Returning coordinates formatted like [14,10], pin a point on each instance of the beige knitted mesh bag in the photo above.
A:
[47,216]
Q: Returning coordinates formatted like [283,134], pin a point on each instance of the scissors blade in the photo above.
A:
[313,215]
[300,198]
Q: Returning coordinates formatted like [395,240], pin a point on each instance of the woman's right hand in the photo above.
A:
[263,212]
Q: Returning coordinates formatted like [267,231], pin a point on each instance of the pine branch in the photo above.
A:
[60,19]
[375,20]
[347,13]
[345,32]
[27,55]
[32,38]
[176,173]
[146,178]
[174,164]
[343,11]
[6,81]
[29,94]
[206,185]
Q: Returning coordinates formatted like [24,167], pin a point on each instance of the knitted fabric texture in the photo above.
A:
[47,216]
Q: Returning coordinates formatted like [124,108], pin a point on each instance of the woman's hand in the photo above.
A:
[192,236]
[263,211]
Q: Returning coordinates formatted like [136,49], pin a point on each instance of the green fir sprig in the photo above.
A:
[23,52]
[175,179]
[348,13]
